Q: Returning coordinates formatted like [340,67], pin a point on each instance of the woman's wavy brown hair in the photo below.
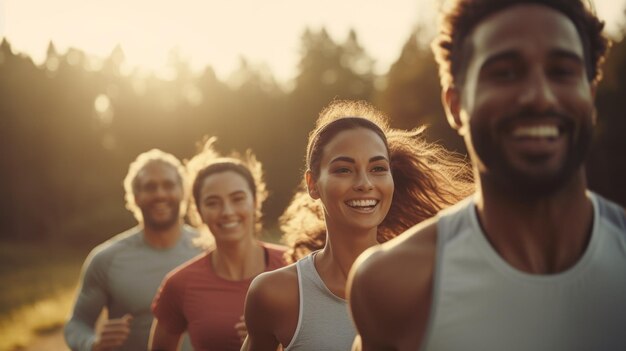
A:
[427,177]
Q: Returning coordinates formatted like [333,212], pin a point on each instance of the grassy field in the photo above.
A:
[38,289]
[39,286]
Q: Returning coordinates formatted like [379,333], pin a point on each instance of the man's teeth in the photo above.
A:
[362,203]
[536,132]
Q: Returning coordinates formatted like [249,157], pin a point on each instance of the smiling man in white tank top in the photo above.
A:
[534,260]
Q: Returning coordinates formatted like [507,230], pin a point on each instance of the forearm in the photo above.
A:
[79,331]
[78,335]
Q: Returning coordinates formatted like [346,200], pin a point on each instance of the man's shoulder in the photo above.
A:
[119,241]
[612,214]
[189,232]
[390,287]
[191,240]
[399,261]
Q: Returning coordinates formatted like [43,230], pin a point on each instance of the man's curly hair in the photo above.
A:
[460,17]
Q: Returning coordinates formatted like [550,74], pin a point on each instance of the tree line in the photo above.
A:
[70,126]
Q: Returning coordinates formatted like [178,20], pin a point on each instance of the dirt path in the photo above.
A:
[51,341]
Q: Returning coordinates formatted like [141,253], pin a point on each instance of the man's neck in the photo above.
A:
[163,238]
[541,235]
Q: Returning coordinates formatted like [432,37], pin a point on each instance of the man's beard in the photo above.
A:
[500,171]
[167,223]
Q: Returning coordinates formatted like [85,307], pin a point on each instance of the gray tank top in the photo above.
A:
[480,302]
[323,319]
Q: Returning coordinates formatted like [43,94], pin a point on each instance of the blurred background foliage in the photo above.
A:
[70,126]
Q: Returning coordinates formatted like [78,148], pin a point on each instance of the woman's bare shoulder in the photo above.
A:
[275,288]
[272,304]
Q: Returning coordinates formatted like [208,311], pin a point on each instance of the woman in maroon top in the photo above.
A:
[205,296]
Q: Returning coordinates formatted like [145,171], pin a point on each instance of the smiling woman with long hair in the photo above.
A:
[364,184]
[206,295]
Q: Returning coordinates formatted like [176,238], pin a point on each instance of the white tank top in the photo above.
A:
[323,319]
[480,302]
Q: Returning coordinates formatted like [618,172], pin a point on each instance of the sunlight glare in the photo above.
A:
[103,109]
[217,34]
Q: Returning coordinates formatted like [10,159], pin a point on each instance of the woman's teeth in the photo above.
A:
[229,225]
[362,203]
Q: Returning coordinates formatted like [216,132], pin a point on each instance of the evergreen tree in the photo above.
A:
[412,95]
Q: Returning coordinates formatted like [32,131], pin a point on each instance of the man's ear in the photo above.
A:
[310,184]
[594,116]
[593,87]
[451,100]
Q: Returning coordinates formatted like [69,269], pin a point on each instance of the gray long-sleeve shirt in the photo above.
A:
[123,274]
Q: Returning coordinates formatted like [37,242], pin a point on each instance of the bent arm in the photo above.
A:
[79,331]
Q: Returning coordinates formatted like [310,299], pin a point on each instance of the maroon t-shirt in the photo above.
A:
[193,298]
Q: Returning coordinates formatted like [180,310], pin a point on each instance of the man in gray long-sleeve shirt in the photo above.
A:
[124,273]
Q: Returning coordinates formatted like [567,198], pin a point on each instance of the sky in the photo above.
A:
[218,33]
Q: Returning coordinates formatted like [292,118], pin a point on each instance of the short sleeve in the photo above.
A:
[167,305]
